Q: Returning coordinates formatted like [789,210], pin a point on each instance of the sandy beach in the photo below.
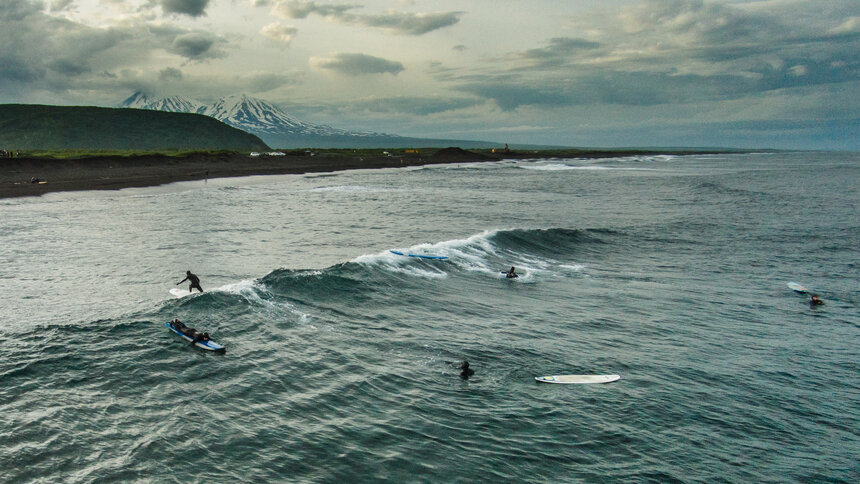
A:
[24,177]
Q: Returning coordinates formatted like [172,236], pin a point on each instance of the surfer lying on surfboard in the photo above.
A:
[190,332]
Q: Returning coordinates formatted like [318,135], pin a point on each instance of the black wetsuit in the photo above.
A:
[194,280]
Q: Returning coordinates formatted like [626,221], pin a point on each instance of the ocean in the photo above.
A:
[341,360]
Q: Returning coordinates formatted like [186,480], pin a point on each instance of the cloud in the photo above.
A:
[265,82]
[170,74]
[511,95]
[192,8]
[671,52]
[421,106]
[560,51]
[279,32]
[405,23]
[357,64]
[410,23]
[61,5]
[300,9]
[196,46]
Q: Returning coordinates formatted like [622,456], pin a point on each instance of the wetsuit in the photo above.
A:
[194,280]
[467,372]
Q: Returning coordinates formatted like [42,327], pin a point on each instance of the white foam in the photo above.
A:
[564,167]
[573,267]
[343,188]
[251,290]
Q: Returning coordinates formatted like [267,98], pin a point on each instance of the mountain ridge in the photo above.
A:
[37,126]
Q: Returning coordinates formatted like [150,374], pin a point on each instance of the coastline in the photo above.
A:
[118,172]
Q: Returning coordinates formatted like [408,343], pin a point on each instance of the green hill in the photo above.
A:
[36,127]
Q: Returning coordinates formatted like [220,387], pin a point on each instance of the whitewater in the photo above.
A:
[341,356]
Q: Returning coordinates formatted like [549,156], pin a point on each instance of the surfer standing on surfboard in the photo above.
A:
[194,280]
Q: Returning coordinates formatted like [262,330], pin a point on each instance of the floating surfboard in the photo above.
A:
[183,292]
[206,345]
[578,378]
[420,256]
[797,288]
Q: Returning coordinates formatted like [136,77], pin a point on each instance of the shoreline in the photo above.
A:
[118,172]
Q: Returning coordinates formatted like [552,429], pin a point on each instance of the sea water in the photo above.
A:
[341,361]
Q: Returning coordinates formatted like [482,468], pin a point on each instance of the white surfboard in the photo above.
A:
[578,378]
[797,287]
[183,292]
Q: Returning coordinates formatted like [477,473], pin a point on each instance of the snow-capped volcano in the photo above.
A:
[246,113]
[173,104]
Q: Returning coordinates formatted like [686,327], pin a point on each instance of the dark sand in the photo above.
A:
[116,172]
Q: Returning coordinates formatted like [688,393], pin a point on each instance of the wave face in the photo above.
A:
[342,357]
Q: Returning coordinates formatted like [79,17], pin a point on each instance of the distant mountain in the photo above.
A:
[280,130]
[30,126]
[173,104]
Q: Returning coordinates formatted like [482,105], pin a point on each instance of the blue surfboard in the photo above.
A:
[206,345]
[420,256]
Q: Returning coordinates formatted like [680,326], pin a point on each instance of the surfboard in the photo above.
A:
[509,277]
[182,292]
[206,345]
[578,378]
[797,288]
[420,256]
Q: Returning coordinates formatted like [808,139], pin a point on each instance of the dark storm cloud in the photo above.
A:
[196,46]
[193,8]
[398,22]
[359,64]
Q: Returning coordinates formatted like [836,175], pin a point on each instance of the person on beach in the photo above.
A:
[815,301]
[465,371]
[511,273]
[194,280]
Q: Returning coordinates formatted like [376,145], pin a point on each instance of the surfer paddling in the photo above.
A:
[194,280]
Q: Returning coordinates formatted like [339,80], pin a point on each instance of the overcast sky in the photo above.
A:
[742,73]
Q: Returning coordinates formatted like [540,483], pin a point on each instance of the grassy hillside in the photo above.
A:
[38,127]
